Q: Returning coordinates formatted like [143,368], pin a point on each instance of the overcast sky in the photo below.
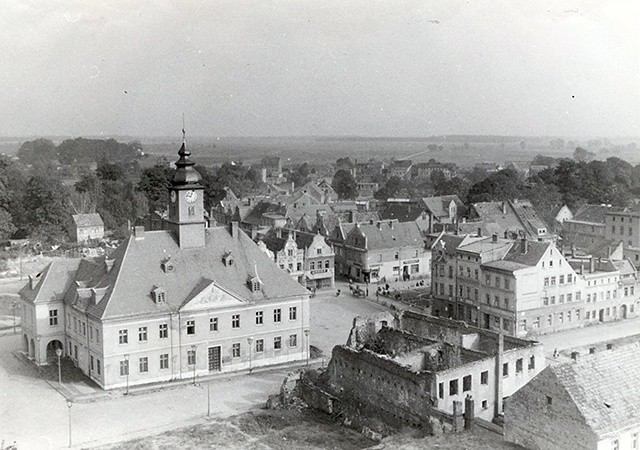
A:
[304,67]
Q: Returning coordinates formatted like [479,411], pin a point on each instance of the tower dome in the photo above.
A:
[185,174]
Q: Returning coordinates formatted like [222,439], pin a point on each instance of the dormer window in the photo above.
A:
[227,259]
[158,295]
[167,265]
[254,284]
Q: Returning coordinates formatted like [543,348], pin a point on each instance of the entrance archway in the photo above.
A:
[623,311]
[32,349]
[51,349]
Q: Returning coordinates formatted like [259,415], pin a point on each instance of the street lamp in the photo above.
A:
[126,358]
[38,338]
[306,333]
[193,348]
[250,341]
[14,305]
[59,353]
[69,405]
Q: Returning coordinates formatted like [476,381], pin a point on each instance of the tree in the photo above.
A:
[45,208]
[499,186]
[582,155]
[37,151]
[345,185]
[154,184]
[6,224]
[390,189]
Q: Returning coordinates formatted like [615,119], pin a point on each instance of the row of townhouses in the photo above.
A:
[526,287]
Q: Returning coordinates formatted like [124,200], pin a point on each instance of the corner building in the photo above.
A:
[170,304]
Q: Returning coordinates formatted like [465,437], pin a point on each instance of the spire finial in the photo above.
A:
[183,132]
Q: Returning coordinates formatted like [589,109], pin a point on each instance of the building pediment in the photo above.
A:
[209,295]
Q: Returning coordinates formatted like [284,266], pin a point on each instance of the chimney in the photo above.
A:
[573,251]
[494,238]
[504,207]
[138,233]
[371,221]
[234,229]
[479,232]
[379,226]
[592,265]
[524,246]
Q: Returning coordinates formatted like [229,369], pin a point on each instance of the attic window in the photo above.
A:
[158,295]
[167,265]
[227,259]
[255,284]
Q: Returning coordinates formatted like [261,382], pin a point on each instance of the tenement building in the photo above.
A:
[590,403]
[169,304]
[526,287]
[416,367]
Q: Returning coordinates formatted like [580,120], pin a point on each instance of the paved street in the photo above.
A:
[36,416]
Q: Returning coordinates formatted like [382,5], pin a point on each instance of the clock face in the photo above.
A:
[173,196]
[191,196]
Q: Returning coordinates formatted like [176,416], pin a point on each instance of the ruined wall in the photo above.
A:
[365,328]
[380,382]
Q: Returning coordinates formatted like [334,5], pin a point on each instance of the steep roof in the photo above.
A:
[512,217]
[533,254]
[390,234]
[439,206]
[594,213]
[137,271]
[403,212]
[52,282]
[87,220]
[604,387]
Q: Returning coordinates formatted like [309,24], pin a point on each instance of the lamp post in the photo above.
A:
[193,348]
[38,338]
[208,398]
[59,354]
[69,405]
[126,358]
[14,304]
[306,333]
[250,342]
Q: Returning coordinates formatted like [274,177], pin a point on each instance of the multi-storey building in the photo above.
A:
[168,304]
[383,250]
[306,257]
[523,287]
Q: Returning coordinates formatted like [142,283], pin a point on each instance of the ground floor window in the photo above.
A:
[277,343]
[164,361]
[293,340]
[143,363]
[235,350]
[259,345]
[124,368]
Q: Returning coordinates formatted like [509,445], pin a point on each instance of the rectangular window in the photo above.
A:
[561,298]
[213,324]
[53,317]
[144,364]
[91,360]
[546,281]
[505,370]
[124,368]
[484,377]
[191,327]
[259,317]
[485,404]
[634,440]
[441,390]
[90,333]
[235,350]
[569,297]
[506,284]
[142,334]
[453,387]
[123,337]
[578,296]
[259,345]
[293,340]
[99,366]
[163,331]
[553,299]
[532,362]
[277,315]
[293,313]
[277,343]
[75,324]
[553,281]
[235,321]
[164,361]
[75,352]
[191,357]
[536,322]
[570,278]
[561,280]
[466,383]
[519,365]
[615,445]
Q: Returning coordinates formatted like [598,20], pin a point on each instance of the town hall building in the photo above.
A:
[171,304]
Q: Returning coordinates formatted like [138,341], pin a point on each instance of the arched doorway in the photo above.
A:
[32,349]
[25,344]
[623,311]
[51,349]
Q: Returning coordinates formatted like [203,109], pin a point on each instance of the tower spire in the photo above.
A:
[185,173]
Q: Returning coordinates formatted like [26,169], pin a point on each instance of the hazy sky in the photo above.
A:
[304,67]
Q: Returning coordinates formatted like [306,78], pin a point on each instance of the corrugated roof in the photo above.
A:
[604,388]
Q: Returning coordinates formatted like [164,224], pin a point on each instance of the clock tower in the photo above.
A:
[186,206]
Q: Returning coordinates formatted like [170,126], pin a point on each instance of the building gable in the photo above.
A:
[208,295]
